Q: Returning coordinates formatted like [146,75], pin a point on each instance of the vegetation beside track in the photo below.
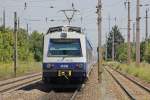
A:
[24,68]
[29,52]
[142,71]
[29,45]
[121,52]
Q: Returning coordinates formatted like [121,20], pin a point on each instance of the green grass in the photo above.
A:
[142,71]
[24,68]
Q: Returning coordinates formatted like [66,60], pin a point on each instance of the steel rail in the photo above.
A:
[122,87]
[14,87]
[76,92]
[18,79]
[135,82]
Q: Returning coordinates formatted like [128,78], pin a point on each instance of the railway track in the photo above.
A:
[134,81]
[134,90]
[76,92]
[63,94]
[16,83]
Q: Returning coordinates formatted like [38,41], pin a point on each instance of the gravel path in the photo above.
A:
[135,90]
[23,95]
[143,82]
[91,90]
[57,96]
[107,90]
[110,89]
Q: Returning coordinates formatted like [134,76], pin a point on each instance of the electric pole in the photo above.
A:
[106,49]
[146,31]
[27,29]
[106,53]
[129,28]
[99,49]
[129,45]
[133,34]
[146,24]
[18,23]
[4,19]
[113,42]
[109,19]
[134,45]
[15,43]
[113,46]
[138,33]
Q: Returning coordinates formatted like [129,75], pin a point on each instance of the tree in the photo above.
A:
[29,46]
[142,50]
[146,55]
[23,46]
[36,45]
[6,44]
[118,39]
[121,52]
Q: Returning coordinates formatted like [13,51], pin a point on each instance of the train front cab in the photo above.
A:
[59,66]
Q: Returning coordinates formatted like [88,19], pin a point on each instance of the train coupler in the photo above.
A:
[66,74]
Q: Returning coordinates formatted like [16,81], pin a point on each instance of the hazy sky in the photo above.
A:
[37,11]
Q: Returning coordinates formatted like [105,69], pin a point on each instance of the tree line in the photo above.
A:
[121,47]
[29,45]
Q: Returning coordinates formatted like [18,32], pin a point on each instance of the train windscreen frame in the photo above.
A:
[64,48]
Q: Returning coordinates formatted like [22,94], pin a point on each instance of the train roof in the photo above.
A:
[60,29]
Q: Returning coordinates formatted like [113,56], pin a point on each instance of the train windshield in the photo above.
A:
[64,47]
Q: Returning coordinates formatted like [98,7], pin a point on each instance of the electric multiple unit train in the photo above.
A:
[67,54]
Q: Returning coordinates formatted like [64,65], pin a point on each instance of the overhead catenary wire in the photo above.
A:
[90,9]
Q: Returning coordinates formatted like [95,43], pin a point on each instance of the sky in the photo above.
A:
[38,10]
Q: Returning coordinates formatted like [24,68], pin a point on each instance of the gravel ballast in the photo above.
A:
[91,90]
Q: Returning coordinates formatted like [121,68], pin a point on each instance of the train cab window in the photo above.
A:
[64,47]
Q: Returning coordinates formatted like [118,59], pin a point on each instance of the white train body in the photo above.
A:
[67,53]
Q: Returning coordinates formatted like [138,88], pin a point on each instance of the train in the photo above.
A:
[67,54]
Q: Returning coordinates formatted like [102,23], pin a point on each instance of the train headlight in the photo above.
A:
[63,35]
[49,66]
[80,66]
